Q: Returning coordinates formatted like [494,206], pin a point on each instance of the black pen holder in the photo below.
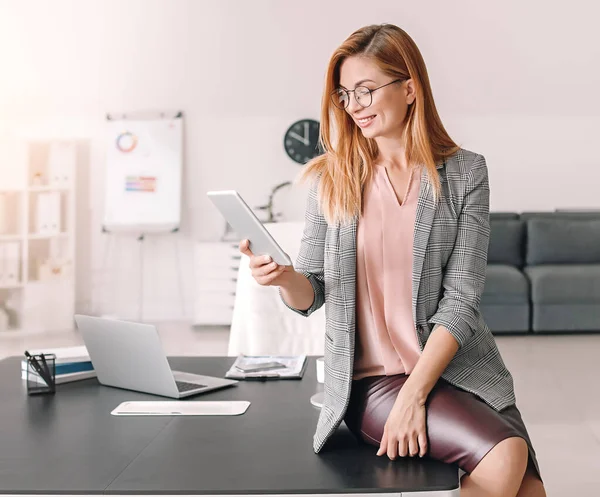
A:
[38,383]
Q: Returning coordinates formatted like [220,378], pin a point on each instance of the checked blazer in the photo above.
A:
[449,267]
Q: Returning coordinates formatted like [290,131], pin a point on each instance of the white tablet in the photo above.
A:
[246,225]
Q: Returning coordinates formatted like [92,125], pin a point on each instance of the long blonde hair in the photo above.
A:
[346,165]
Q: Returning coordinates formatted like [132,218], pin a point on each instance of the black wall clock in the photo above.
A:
[301,140]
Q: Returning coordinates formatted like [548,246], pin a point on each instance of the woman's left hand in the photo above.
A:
[405,430]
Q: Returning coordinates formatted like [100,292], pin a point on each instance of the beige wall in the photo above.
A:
[516,81]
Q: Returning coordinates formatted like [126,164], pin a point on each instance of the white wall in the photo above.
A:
[517,81]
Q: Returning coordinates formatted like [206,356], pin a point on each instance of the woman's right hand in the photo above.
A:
[265,271]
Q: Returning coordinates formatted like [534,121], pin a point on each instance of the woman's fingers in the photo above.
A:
[383,445]
[271,276]
[422,439]
[397,447]
[392,448]
[264,269]
[245,248]
[413,445]
[255,260]
[402,446]
[262,266]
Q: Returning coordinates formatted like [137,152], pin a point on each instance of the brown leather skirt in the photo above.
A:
[461,428]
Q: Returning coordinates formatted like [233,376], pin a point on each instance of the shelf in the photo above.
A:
[46,188]
[11,332]
[8,238]
[19,332]
[43,236]
[11,287]
[50,281]
[38,194]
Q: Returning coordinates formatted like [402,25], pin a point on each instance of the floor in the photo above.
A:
[555,382]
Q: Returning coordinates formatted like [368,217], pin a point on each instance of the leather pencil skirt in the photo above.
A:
[461,428]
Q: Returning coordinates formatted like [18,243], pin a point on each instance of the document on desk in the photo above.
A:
[181,408]
[267,367]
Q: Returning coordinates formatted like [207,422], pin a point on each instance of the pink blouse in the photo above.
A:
[386,337]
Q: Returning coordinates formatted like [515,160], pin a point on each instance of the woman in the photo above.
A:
[395,243]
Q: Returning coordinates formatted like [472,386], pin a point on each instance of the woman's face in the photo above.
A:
[389,104]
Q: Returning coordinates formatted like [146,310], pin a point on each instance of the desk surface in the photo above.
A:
[69,443]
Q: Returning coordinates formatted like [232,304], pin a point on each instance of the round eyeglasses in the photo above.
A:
[363,95]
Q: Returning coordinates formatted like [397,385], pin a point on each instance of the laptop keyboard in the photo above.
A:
[184,386]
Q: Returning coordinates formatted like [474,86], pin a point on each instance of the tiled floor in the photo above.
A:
[557,381]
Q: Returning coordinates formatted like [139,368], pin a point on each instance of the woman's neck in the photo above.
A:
[392,153]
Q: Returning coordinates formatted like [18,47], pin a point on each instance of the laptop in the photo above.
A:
[129,355]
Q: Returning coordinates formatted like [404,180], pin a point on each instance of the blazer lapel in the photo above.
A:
[423,221]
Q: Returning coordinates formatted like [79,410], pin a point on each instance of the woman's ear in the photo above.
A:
[410,92]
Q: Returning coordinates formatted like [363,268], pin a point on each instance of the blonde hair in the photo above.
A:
[346,166]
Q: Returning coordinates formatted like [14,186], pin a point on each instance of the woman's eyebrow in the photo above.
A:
[363,81]
[360,82]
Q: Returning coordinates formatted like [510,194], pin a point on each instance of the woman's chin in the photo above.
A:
[369,133]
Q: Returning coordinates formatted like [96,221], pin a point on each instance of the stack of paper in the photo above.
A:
[292,367]
[72,364]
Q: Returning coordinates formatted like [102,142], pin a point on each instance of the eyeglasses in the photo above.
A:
[363,95]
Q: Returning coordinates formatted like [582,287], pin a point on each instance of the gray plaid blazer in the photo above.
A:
[450,258]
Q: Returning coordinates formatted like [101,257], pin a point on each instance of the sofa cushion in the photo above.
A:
[563,241]
[506,318]
[506,241]
[559,284]
[563,318]
[503,215]
[505,284]
[592,214]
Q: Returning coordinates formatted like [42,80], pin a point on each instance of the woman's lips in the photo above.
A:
[363,123]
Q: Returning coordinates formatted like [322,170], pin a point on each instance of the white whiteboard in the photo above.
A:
[144,163]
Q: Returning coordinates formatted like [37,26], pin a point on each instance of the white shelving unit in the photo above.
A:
[37,234]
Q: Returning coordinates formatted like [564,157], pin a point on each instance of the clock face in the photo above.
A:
[301,141]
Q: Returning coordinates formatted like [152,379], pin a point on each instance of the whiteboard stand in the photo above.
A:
[108,249]
[144,169]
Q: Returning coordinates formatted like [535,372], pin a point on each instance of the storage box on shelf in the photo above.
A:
[37,235]
[216,270]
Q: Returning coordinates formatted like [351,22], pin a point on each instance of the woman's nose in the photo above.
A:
[353,106]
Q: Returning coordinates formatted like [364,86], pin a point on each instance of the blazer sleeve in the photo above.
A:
[464,276]
[310,259]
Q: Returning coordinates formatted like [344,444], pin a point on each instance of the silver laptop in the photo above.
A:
[129,355]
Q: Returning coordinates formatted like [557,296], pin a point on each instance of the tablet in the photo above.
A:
[246,225]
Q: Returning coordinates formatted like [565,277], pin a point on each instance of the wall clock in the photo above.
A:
[301,141]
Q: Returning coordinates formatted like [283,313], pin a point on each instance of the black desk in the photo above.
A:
[69,443]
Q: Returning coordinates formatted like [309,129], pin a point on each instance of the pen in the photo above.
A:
[262,377]
[37,367]
[46,369]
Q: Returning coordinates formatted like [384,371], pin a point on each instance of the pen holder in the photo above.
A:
[41,374]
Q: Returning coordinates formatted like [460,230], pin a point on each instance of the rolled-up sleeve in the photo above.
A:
[310,259]
[464,276]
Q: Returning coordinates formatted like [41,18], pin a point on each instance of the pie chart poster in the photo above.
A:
[143,175]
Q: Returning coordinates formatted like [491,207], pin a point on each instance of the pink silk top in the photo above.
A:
[386,338]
